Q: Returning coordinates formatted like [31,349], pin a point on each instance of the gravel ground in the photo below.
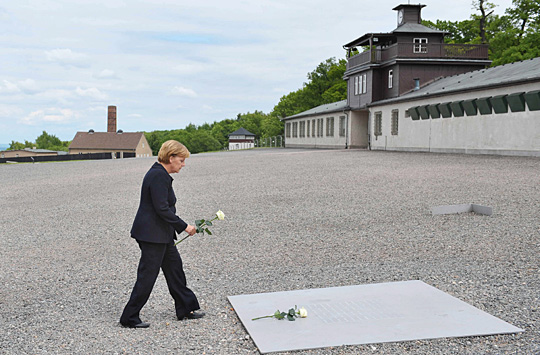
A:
[296,219]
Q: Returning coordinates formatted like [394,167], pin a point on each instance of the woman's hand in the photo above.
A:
[191,230]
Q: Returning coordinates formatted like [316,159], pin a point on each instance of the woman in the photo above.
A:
[155,228]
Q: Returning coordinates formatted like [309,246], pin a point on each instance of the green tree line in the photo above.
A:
[44,141]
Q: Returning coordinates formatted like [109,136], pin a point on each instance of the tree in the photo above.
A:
[511,37]
[47,141]
[486,10]
[16,146]
[202,141]
[325,85]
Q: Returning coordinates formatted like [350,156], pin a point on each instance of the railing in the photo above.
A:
[417,50]
[276,141]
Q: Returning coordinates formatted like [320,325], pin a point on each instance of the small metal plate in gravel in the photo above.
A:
[363,314]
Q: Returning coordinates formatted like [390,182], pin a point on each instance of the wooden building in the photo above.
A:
[241,139]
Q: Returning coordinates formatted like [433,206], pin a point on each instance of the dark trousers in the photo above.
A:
[153,257]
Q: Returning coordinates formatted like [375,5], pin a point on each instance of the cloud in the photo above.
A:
[92,93]
[49,115]
[27,86]
[210,109]
[9,111]
[9,88]
[67,57]
[182,91]
[190,68]
[57,95]
[106,74]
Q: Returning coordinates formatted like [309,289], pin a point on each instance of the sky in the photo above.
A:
[167,63]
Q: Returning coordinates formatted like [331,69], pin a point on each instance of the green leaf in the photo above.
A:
[208,231]
[199,229]
[198,223]
[289,317]
[292,312]
[279,315]
[208,223]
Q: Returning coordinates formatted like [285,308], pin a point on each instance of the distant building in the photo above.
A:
[241,139]
[115,142]
[410,91]
[29,152]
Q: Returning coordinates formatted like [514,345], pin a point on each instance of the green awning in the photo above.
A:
[533,100]
[434,111]
[516,101]
[484,105]
[413,111]
[470,107]
[445,109]
[499,103]
[457,108]
[423,111]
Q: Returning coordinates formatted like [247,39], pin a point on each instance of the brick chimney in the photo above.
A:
[111,119]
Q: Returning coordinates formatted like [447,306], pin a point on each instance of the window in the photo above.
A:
[295,129]
[360,84]
[308,128]
[329,126]
[378,124]
[395,121]
[342,126]
[420,45]
[390,78]
[364,83]
[313,128]
[303,129]
[320,124]
[288,130]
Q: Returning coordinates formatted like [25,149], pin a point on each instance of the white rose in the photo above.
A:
[220,215]
[303,312]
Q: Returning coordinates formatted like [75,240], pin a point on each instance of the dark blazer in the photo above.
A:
[156,220]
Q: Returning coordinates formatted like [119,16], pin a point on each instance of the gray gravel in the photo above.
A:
[296,219]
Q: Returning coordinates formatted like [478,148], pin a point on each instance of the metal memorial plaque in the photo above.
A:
[363,314]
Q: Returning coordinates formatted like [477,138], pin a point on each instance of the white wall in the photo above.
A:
[335,141]
[513,133]
[241,145]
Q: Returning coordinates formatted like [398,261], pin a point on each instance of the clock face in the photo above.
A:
[400,17]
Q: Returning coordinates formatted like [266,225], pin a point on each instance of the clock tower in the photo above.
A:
[408,14]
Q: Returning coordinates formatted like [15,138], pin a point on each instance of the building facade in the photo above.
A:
[29,152]
[115,142]
[241,139]
[410,91]
[491,111]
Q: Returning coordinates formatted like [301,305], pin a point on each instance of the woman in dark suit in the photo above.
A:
[155,228]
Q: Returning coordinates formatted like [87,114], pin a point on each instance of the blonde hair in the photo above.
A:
[171,148]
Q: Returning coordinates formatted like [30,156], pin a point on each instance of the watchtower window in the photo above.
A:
[420,45]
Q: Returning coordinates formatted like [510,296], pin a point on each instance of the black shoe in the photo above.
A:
[139,325]
[193,315]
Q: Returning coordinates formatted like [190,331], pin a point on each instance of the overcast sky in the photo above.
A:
[168,63]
